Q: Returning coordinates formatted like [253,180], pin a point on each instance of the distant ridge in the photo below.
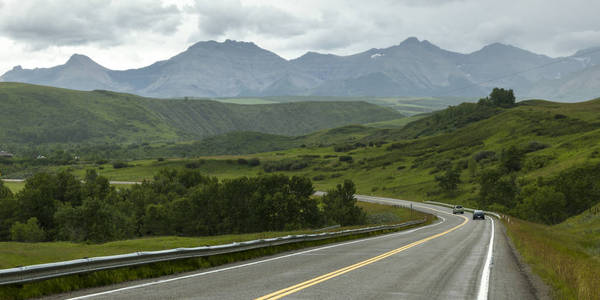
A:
[40,114]
[411,68]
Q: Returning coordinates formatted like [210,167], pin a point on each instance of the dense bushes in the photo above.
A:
[549,200]
[60,207]
[340,205]
[284,165]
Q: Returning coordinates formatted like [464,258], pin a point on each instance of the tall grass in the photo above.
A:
[555,255]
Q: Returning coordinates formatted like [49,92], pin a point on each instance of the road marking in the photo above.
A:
[484,284]
[303,285]
[252,263]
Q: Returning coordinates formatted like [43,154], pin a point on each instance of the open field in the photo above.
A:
[15,186]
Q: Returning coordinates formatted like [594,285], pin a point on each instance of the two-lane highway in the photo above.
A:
[449,259]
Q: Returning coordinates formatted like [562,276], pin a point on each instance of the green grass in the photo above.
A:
[40,114]
[15,186]
[397,123]
[14,254]
[107,277]
[245,101]
[566,256]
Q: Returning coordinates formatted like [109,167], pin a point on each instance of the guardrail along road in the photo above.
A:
[449,259]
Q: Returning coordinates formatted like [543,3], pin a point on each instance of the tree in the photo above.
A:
[340,205]
[495,187]
[27,232]
[544,204]
[499,97]
[511,159]
[449,180]
[502,98]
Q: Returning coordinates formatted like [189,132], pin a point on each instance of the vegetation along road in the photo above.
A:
[449,259]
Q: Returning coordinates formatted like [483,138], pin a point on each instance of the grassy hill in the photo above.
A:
[39,114]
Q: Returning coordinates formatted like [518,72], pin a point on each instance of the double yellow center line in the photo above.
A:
[298,287]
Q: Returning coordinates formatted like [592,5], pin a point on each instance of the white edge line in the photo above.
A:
[484,284]
[250,264]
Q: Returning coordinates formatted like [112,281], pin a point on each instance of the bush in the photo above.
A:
[481,155]
[345,158]
[160,159]
[559,116]
[534,146]
[284,165]
[120,165]
[319,177]
[27,232]
[344,148]
[253,162]
[194,164]
[242,161]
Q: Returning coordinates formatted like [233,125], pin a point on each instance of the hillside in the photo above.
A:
[38,114]
[410,68]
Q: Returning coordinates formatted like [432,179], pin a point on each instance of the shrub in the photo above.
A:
[559,116]
[27,232]
[120,165]
[319,177]
[253,162]
[481,155]
[160,159]
[242,161]
[194,164]
[345,158]
[101,161]
[534,146]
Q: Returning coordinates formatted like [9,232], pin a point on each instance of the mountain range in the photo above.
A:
[411,68]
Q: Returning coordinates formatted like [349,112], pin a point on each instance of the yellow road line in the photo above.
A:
[311,282]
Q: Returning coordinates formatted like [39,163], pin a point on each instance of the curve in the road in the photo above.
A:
[298,287]
[88,296]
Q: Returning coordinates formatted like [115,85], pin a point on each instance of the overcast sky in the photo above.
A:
[136,33]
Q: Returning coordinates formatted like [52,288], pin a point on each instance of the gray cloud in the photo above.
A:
[59,23]
[219,18]
[128,34]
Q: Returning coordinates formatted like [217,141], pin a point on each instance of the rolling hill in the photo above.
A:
[39,114]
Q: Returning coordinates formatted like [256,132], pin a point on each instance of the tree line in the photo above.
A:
[54,207]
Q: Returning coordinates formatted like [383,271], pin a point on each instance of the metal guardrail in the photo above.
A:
[466,208]
[52,270]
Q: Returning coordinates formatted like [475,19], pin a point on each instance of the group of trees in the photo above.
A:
[545,200]
[499,97]
[61,207]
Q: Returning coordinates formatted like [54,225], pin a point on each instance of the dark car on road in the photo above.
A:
[478,214]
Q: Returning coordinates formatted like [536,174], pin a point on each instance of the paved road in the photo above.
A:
[446,260]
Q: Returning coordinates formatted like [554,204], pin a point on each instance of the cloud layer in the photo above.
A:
[126,34]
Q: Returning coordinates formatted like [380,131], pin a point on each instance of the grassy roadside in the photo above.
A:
[14,254]
[107,277]
[565,256]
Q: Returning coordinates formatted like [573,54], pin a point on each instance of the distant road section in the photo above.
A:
[449,259]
